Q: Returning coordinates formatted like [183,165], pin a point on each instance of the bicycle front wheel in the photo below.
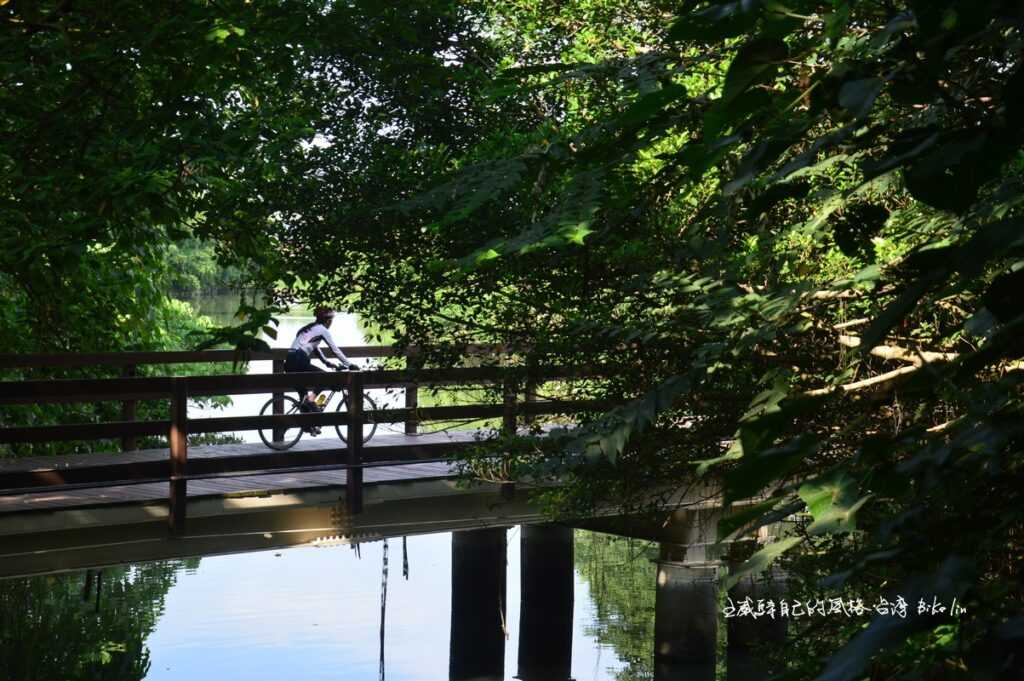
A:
[369,410]
[284,437]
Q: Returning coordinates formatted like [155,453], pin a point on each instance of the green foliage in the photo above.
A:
[140,151]
[819,198]
[194,270]
[621,578]
[59,627]
[129,132]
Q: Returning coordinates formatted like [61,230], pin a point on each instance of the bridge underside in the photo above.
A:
[80,524]
[71,539]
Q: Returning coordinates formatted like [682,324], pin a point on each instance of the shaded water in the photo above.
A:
[304,613]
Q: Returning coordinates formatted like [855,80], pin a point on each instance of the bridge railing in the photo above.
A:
[352,457]
[129,362]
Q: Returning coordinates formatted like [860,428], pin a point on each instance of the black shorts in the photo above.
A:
[298,361]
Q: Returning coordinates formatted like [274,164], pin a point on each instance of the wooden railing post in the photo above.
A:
[508,419]
[530,392]
[508,423]
[178,440]
[413,360]
[128,442]
[354,474]
[278,407]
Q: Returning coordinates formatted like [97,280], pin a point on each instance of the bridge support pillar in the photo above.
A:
[178,444]
[477,648]
[747,635]
[685,622]
[413,361]
[545,615]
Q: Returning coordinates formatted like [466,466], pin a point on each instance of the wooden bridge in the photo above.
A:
[178,475]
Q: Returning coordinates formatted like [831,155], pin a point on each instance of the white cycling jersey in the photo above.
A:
[308,340]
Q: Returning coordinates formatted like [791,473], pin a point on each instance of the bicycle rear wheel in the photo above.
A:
[288,435]
[369,409]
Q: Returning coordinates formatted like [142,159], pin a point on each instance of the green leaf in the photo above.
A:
[218,35]
[858,96]
[835,22]
[749,518]
[577,233]
[832,502]
[758,469]
[895,311]
[760,560]
[886,631]
[608,437]
[754,63]
[650,104]
[727,115]
[737,520]
[719,21]
[485,255]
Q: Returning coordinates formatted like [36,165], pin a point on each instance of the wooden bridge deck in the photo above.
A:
[242,484]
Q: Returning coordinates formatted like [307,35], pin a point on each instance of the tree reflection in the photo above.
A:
[86,626]
[621,578]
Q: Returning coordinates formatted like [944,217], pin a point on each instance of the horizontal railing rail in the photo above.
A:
[160,387]
[220,424]
[54,360]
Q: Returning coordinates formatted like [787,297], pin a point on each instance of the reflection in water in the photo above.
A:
[479,605]
[621,577]
[89,626]
[546,603]
[383,605]
[476,604]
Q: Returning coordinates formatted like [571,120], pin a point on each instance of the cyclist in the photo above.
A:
[307,342]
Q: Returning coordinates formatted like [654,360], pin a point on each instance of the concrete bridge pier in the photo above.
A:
[545,619]
[686,611]
[479,606]
[685,622]
[747,636]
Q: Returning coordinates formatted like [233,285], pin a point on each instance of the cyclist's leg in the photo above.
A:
[298,361]
[311,401]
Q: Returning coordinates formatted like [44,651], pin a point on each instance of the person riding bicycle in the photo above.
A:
[307,342]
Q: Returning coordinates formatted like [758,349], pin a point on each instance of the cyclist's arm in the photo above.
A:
[337,351]
[320,354]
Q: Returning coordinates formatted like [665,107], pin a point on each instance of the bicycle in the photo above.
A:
[290,435]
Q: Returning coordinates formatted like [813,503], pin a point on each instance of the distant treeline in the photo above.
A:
[194,270]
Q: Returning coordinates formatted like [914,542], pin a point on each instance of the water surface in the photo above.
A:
[310,612]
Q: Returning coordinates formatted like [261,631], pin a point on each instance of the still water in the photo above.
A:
[307,613]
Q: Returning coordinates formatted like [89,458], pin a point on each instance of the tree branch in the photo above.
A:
[873,382]
[895,352]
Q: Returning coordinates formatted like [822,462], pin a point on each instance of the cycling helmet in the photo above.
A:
[324,313]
